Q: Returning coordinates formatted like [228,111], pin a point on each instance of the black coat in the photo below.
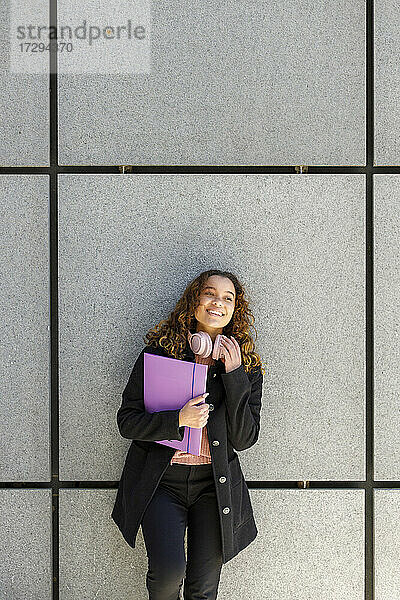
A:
[233,424]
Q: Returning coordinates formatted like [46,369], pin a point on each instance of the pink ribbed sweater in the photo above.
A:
[205,457]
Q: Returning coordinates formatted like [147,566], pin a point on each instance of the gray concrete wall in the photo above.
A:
[248,84]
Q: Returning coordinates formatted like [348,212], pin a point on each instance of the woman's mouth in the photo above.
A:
[215,313]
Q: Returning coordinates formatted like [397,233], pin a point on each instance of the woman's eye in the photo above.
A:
[212,294]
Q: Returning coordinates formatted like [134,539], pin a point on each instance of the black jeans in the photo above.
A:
[184,497]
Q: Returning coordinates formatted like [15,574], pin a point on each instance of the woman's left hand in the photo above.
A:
[232,357]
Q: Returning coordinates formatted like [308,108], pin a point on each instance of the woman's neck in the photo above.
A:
[212,332]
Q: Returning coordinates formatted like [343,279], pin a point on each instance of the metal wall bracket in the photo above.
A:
[303,484]
[302,169]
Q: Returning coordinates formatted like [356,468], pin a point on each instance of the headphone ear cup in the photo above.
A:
[201,343]
[217,347]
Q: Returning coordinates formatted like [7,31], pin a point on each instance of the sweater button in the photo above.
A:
[222,479]
[214,375]
[211,407]
[215,443]
[226,510]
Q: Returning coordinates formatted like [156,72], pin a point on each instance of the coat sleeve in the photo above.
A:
[135,423]
[243,405]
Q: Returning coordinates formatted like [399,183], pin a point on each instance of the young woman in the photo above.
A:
[166,490]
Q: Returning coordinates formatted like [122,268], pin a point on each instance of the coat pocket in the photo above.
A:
[241,505]
[235,471]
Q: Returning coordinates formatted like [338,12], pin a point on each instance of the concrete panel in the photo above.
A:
[254,83]
[310,545]
[24,96]
[387,544]
[95,560]
[387,327]
[387,82]
[25,544]
[25,328]
[298,244]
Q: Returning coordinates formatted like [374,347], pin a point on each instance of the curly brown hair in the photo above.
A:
[171,333]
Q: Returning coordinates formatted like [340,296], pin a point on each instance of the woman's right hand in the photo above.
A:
[194,416]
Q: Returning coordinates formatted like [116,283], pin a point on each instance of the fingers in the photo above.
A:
[231,346]
[225,344]
[236,343]
[198,399]
[201,407]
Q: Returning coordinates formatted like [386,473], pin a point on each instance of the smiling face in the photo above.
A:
[218,295]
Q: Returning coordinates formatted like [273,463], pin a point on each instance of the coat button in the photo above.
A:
[215,443]
[226,510]
[222,479]
[211,407]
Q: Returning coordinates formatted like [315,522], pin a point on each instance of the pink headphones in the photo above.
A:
[201,344]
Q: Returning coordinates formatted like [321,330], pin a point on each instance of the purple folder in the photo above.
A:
[168,384]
